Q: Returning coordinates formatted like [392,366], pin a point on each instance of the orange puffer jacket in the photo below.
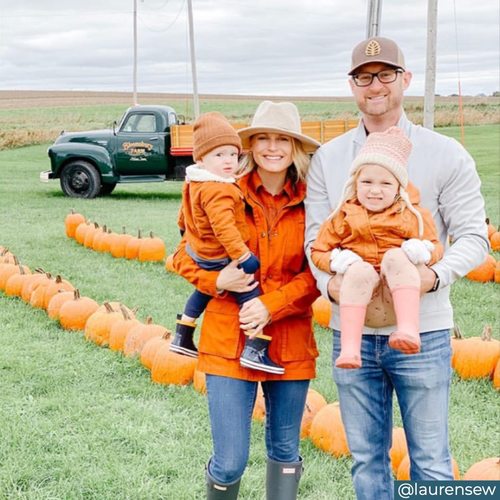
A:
[371,234]
[288,290]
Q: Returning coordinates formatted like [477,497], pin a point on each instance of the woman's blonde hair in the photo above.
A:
[297,170]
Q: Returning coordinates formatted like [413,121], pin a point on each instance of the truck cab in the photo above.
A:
[92,163]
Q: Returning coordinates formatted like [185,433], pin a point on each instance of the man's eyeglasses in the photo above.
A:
[384,76]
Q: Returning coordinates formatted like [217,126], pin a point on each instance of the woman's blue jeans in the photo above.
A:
[230,404]
[422,384]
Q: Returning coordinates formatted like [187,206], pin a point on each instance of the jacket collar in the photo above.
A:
[251,182]
[198,174]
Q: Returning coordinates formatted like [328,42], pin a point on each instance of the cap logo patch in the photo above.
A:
[373,48]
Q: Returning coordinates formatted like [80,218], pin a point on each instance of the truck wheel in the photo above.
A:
[80,179]
[107,189]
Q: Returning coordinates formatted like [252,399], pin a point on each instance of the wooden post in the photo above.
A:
[373,18]
[134,99]
[430,65]
[196,104]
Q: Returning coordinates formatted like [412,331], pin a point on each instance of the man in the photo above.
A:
[449,185]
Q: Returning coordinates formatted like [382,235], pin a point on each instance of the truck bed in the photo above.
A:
[321,130]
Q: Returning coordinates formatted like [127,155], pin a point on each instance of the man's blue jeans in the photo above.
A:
[422,384]
[230,404]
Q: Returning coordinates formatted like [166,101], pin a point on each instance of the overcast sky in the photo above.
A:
[261,47]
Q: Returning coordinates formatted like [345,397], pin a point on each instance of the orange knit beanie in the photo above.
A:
[210,131]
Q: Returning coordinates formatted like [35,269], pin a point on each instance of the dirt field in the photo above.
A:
[35,98]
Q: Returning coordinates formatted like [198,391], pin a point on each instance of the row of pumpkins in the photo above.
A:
[120,245]
[114,325]
[472,357]
[124,245]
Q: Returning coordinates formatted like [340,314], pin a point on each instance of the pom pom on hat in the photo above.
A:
[210,131]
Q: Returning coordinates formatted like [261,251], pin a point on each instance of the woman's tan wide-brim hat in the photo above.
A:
[277,118]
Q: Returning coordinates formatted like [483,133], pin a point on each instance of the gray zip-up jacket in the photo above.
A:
[449,186]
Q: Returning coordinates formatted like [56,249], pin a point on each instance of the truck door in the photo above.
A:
[140,148]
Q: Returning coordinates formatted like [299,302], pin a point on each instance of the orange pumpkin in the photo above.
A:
[484,272]
[327,431]
[259,408]
[8,269]
[169,263]
[92,230]
[151,249]
[37,297]
[140,334]
[456,343]
[99,324]
[56,302]
[199,382]
[133,244]
[404,469]
[484,470]
[118,243]
[73,314]
[171,368]
[80,231]
[491,228]
[71,222]
[496,376]
[495,241]
[497,272]
[14,284]
[150,349]
[477,356]
[120,329]
[399,448]
[57,285]
[314,402]
[32,281]
[322,311]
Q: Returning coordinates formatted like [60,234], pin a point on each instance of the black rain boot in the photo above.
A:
[217,491]
[182,343]
[282,479]
[254,356]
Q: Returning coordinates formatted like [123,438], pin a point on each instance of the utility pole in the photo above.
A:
[135,56]
[196,103]
[373,18]
[430,65]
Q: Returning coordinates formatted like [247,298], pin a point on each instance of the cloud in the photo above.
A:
[283,47]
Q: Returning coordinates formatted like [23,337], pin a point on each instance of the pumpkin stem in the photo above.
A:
[457,334]
[108,307]
[149,320]
[39,270]
[166,334]
[125,313]
[123,230]
[139,234]
[486,335]
[76,294]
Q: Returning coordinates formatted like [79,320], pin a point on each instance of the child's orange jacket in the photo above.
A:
[371,234]
[213,216]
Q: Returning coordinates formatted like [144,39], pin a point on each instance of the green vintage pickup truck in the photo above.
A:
[137,149]
[149,144]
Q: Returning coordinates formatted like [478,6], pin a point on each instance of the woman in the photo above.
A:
[273,188]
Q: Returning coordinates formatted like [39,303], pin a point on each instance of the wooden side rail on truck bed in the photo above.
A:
[321,130]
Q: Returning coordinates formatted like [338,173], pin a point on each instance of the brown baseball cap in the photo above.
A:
[377,49]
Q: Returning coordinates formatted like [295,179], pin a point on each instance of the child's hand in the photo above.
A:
[340,260]
[418,251]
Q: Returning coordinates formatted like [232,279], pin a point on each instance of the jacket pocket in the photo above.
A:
[295,341]
[220,330]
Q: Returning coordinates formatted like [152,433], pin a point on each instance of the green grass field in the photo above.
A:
[82,422]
